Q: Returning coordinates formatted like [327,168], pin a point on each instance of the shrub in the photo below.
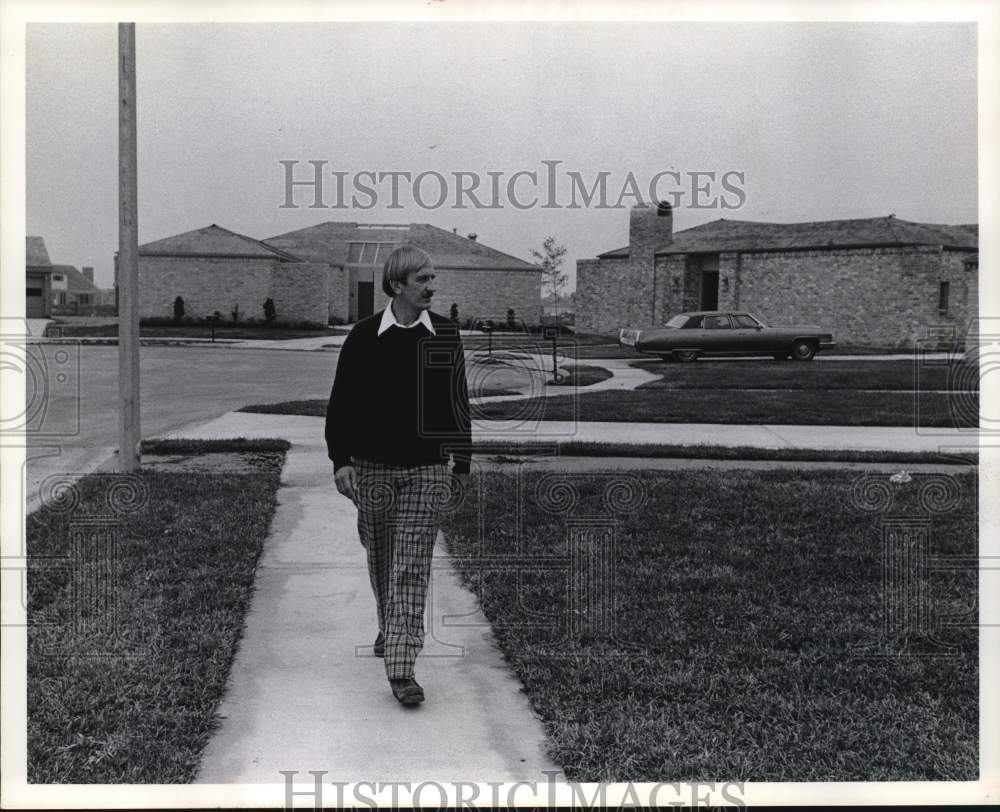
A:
[235,313]
[453,313]
[269,311]
[178,310]
[511,323]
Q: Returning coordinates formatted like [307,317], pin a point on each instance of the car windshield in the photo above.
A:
[677,321]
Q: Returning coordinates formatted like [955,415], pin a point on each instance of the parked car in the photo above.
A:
[716,332]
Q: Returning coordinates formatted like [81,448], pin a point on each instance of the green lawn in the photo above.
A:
[581,375]
[743,604]
[739,406]
[134,702]
[714,452]
[909,376]
[570,346]
[735,406]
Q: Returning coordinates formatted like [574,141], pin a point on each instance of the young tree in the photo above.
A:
[551,258]
[178,310]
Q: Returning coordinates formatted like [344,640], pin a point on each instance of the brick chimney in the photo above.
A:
[649,228]
[88,272]
[473,235]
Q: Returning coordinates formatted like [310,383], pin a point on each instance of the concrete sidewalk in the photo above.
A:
[552,432]
[304,691]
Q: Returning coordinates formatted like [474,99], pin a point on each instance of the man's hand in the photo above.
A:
[347,481]
[460,482]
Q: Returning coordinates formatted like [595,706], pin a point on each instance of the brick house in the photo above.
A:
[214,269]
[38,279]
[482,281]
[877,282]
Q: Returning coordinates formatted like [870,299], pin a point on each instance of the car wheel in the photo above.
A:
[803,350]
[687,356]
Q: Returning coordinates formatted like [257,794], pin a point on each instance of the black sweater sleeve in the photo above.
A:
[339,410]
[462,452]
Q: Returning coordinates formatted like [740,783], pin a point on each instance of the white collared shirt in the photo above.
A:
[389,319]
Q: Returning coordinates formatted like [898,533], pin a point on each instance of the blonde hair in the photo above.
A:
[406,259]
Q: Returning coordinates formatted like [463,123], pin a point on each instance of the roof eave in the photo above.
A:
[439,266]
[823,247]
[199,255]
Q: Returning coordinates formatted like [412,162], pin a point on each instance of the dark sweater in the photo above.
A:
[400,397]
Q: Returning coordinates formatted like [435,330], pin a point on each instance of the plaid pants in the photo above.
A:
[398,511]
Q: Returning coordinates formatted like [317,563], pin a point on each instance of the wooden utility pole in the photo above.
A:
[129,434]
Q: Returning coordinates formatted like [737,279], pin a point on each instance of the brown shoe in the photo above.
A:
[378,649]
[407,691]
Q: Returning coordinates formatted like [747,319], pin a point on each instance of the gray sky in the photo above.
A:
[826,120]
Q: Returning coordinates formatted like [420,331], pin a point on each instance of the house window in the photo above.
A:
[943,291]
[83,298]
[369,253]
[57,277]
[62,298]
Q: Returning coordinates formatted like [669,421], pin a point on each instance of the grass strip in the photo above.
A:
[745,605]
[908,375]
[803,408]
[724,407]
[715,452]
[582,375]
[124,689]
[236,444]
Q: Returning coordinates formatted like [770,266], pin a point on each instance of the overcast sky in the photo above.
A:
[824,120]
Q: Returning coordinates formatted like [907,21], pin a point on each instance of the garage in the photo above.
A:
[38,278]
[34,299]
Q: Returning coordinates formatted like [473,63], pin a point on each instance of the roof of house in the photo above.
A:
[75,280]
[328,242]
[213,241]
[747,235]
[37,255]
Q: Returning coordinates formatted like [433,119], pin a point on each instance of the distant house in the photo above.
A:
[38,278]
[326,273]
[879,282]
[481,281]
[213,269]
[560,306]
[74,291]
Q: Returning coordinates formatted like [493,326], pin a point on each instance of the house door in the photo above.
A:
[709,290]
[34,303]
[366,299]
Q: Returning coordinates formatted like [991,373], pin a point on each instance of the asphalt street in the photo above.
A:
[72,396]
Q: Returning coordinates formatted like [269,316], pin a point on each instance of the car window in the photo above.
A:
[677,321]
[693,323]
[717,323]
[744,321]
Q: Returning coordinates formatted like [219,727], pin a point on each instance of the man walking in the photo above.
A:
[399,407]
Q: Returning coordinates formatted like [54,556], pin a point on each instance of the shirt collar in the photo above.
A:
[389,319]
